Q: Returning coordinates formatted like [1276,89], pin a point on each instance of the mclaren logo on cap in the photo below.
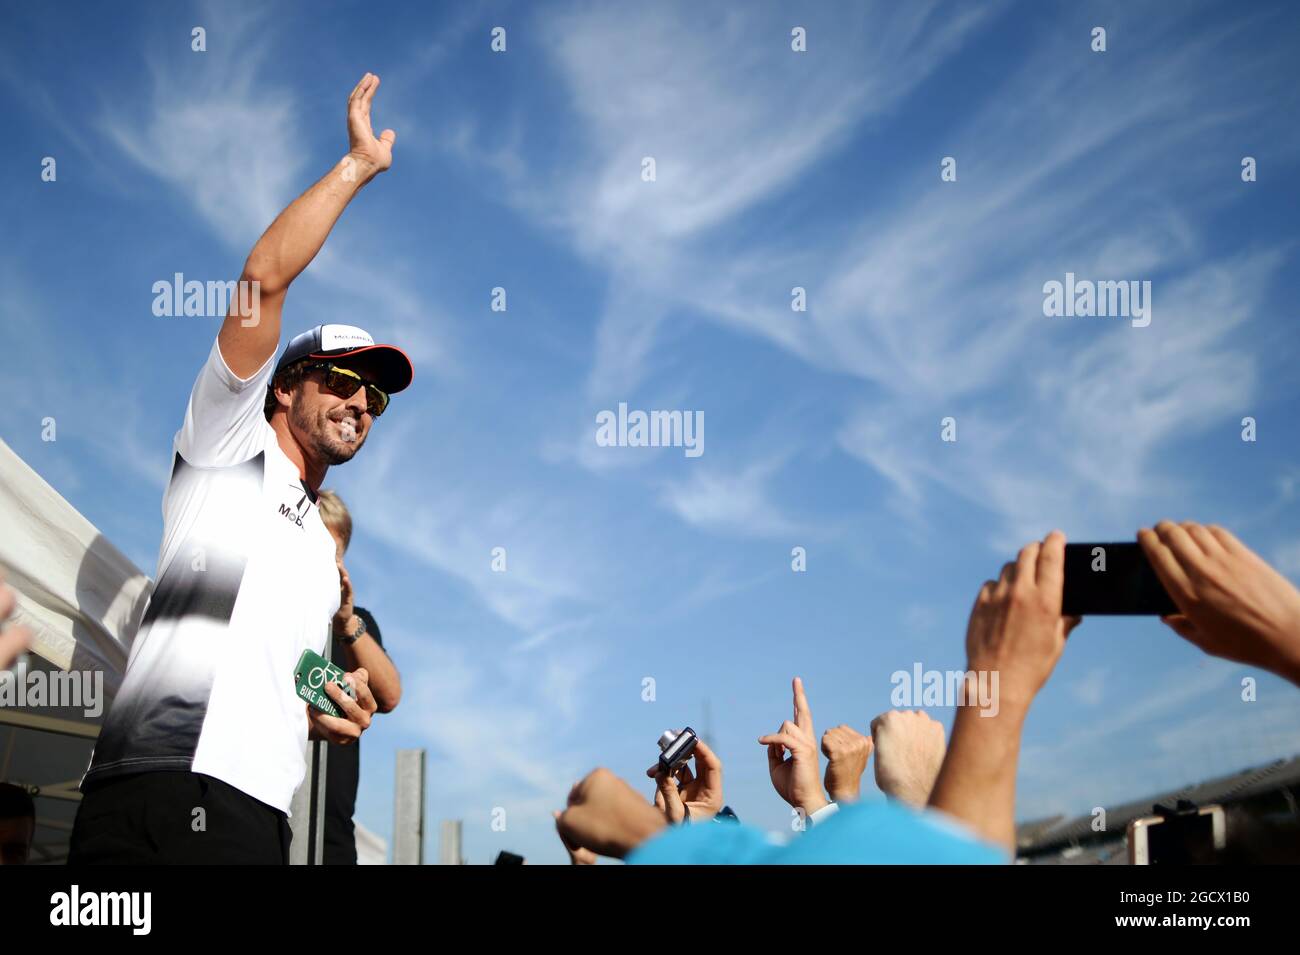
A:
[344,336]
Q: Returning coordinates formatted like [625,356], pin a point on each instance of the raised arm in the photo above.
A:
[1017,632]
[249,337]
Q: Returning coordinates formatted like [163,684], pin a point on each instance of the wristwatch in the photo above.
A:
[361,631]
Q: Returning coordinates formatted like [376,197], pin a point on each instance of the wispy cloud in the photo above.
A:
[107,418]
[493,731]
[228,141]
[1091,688]
[730,115]
[735,502]
[1059,418]
[227,138]
[549,576]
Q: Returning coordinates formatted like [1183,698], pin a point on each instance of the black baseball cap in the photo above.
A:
[394,370]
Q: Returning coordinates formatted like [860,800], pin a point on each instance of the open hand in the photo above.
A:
[1016,629]
[372,154]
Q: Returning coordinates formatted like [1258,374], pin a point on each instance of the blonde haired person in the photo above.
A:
[355,643]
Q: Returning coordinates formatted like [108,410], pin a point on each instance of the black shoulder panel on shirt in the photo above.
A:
[203,577]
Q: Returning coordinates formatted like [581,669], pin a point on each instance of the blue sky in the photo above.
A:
[774,169]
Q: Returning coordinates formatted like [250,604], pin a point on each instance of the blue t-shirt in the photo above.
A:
[877,833]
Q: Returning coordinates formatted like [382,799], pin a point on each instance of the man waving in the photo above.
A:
[205,744]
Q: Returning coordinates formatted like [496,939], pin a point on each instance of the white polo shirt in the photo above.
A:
[246,581]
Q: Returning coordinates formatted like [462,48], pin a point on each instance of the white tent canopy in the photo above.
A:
[83,601]
[79,595]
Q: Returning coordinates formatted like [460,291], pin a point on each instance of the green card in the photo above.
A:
[310,676]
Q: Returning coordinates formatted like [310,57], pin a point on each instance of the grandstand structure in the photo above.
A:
[1269,793]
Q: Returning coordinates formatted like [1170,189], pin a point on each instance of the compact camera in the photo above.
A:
[675,749]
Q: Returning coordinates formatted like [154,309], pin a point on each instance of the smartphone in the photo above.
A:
[1114,579]
[310,676]
[1178,840]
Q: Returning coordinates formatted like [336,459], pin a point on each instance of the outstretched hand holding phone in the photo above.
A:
[1017,630]
[1232,603]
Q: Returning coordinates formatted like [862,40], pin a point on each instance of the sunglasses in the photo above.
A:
[345,382]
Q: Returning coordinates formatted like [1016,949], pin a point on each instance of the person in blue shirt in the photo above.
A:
[882,833]
[1016,630]
[607,817]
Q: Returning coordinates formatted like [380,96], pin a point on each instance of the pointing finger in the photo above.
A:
[802,714]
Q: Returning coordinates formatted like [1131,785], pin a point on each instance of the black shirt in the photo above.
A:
[343,772]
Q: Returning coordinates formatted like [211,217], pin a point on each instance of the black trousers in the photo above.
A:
[176,818]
